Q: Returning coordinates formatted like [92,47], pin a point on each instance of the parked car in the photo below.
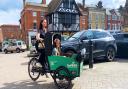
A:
[103,43]
[64,37]
[17,46]
[122,44]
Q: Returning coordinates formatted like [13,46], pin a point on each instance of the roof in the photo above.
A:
[108,12]
[9,25]
[53,5]
[35,4]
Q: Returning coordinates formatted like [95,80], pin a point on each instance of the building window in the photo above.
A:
[96,26]
[67,4]
[103,27]
[120,27]
[42,14]
[114,17]
[34,13]
[97,18]
[89,26]
[34,25]
[115,27]
[89,18]
[103,18]
[62,5]
[109,17]
[109,26]
[83,20]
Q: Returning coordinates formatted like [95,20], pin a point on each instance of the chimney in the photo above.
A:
[43,2]
[24,3]
[83,3]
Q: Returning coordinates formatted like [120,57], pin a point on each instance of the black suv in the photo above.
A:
[122,44]
[103,44]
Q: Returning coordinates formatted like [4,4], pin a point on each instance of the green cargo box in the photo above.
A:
[74,67]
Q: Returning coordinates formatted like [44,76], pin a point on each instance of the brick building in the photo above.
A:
[1,35]
[114,20]
[9,32]
[96,18]
[83,17]
[125,14]
[31,15]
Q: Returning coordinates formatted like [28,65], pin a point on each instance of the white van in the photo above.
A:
[17,46]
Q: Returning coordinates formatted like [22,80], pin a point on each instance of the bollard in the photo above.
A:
[90,54]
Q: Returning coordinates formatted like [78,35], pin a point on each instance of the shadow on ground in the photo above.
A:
[28,85]
[25,63]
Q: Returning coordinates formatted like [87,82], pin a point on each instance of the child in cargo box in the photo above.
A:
[56,50]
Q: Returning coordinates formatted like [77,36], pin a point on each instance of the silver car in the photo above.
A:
[17,46]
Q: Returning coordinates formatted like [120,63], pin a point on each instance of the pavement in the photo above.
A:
[104,75]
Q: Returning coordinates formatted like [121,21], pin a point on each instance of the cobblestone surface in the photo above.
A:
[105,75]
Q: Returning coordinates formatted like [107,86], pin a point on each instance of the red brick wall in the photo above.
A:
[10,32]
[43,1]
[1,36]
[27,19]
[84,22]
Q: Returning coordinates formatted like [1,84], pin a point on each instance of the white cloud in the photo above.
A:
[10,17]
[10,9]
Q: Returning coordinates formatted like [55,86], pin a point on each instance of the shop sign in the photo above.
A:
[67,10]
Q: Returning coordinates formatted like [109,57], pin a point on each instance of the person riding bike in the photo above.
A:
[40,47]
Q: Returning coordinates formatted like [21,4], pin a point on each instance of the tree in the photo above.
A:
[99,5]
[120,8]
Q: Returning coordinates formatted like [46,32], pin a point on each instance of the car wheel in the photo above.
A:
[18,50]
[70,52]
[5,51]
[11,51]
[110,54]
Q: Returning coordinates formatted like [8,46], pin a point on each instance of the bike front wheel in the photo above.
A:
[33,69]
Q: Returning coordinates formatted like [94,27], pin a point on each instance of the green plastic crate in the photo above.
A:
[70,63]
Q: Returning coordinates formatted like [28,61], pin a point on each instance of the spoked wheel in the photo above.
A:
[33,69]
[61,78]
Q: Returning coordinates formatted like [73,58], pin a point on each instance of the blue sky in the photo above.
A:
[10,9]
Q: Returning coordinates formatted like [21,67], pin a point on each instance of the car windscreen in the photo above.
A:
[101,34]
[126,36]
[76,36]
[118,36]
[19,43]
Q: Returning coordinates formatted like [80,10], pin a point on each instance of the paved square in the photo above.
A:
[105,75]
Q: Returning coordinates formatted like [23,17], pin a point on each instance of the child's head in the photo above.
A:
[57,42]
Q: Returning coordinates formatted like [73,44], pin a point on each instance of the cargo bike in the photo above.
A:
[63,69]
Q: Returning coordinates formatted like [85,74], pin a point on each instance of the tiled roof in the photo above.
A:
[53,5]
